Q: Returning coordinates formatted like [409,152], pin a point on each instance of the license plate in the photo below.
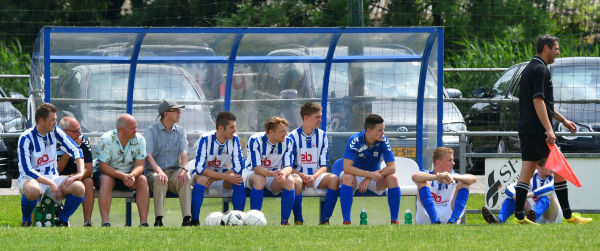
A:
[410,152]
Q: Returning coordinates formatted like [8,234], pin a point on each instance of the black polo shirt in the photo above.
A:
[71,167]
[535,82]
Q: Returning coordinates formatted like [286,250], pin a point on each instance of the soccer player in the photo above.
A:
[269,165]
[218,164]
[442,193]
[310,152]
[167,148]
[67,166]
[121,154]
[38,172]
[541,200]
[362,168]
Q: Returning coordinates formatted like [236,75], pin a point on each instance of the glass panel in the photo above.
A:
[430,109]
[207,44]
[90,44]
[257,45]
[404,43]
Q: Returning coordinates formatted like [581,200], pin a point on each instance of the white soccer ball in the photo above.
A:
[255,218]
[213,219]
[233,218]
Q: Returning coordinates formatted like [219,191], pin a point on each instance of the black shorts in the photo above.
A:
[533,146]
[119,185]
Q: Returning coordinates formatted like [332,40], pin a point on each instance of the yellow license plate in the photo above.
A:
[409,152]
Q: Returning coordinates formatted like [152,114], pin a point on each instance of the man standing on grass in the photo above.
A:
[536,107]
[218,164]
[362,168]
[38,172]
[269,165]
[121,154]
[311,154]
[167,148]
[442,193]
[67,166]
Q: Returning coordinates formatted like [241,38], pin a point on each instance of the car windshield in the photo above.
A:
[388,80]
[576,82]
[148,86]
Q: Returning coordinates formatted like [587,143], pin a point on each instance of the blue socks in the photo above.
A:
[507,209]
[287,202]
[541,206]
[71,204]
[197,198]
[298,208]
[256,199]
[27,207]
[238,199]
[346,197]
[394,202]
[427,202]
[330,200]
[459,204]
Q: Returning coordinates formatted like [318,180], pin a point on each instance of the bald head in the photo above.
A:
[127,126]
[124,119]
[70,126]
[65,122]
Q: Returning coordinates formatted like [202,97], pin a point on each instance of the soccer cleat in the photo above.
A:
[395,222]
[530,215]
[87,224]
[489,217]
[158,221]
[25,223]
[106,224]
[187,221]
[324,223]
[577,219]
[525,221]
[194,223]
[60,223]
[144,224]
[347,223]
[285,223]
[298,223]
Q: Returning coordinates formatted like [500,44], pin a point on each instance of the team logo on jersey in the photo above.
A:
[43,160]
[436,198]
[306,158]
[376,154]
[266,162]
[215,163]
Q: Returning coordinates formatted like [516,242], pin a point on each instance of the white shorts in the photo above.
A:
[443,212]
[371,187]
[269,180]
[45,189]
[216,189]
[554,213]
[314,188]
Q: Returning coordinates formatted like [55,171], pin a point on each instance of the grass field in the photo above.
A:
[475,235]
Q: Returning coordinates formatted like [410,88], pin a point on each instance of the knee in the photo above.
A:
[332,181]
[107,182]
[88,183]
[391,180]
[201,179]
[289,183]
[348,179]
[461,185]
[32,192]
[258,181]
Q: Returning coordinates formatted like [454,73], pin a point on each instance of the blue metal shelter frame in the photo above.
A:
[435,36]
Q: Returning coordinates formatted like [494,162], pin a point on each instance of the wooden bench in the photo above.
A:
[405,168]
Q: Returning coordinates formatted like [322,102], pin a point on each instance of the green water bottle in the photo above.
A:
[407,217]
[363,217]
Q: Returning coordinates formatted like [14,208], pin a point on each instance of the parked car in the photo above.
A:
[11,121]
[96,95]
[390,89]
[576,93]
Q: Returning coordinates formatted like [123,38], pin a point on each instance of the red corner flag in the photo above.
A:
[558,164]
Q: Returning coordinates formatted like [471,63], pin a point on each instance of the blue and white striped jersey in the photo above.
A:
[37,153]
[271,156]
[310,152]
[441,193]
[538,185]
[366,158]
[216,156]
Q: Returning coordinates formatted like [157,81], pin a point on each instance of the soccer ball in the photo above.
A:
[213,219]
[233,218]
[255,218]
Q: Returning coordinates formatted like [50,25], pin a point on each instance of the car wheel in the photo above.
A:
[501,146]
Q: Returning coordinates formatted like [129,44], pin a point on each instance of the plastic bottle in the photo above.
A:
[363,217]
[407,217]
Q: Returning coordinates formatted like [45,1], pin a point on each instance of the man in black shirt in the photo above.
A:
[536,106]
[66,165]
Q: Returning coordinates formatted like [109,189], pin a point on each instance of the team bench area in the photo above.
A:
[405,168]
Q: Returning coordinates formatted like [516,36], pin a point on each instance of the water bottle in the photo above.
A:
[363,217]
[407,217]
